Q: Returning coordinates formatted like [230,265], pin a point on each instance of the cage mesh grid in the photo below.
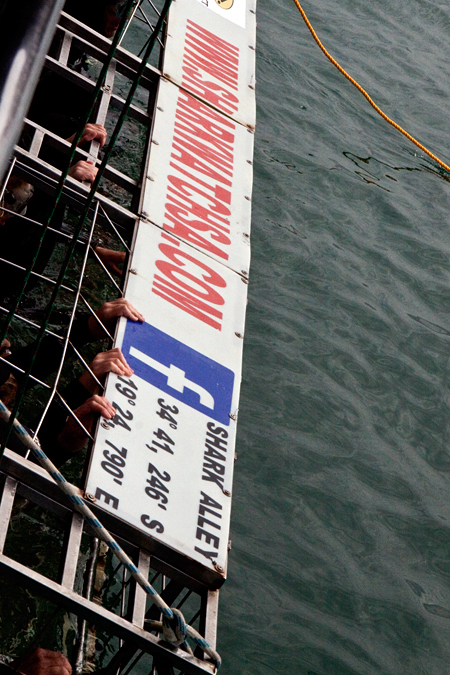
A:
[48,301]
[116,228]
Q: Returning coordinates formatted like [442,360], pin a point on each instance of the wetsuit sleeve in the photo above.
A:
[74,395]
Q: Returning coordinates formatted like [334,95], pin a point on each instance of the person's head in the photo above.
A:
[15,198]
[112,16]
[101,15]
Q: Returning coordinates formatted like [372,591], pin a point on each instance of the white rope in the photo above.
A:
[102,533]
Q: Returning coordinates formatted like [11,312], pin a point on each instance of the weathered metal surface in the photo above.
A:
[70,551]
[210,52]
[211,617]
[140,596]
[6,504]
[199,177]
[94,612]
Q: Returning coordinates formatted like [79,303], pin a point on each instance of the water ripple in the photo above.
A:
[341,526]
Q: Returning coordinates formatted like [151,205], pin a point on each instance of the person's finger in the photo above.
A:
[126,309]
[94,131]
[129,313]
[132,313]
[122,359]
[116,351]
[108,412]
[83,170]
[135,314]
[100,134]
[119,367]
[105,408]
[87,136]
[100,405]
[101,140]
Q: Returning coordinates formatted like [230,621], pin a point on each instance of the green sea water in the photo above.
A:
[340,562]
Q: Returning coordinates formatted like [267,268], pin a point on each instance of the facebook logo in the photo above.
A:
[182,372]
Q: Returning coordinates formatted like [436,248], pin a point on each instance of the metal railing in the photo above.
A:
[107,620]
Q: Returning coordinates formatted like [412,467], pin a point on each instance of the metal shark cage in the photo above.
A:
[180,123]
[107,612]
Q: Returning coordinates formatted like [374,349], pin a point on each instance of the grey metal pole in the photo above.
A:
[27,30]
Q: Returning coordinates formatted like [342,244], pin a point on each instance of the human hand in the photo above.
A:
[112,361]
[72,438]
[111,259]
[108,313]
[93,132]
[43,662]
[90,133]
[83,171]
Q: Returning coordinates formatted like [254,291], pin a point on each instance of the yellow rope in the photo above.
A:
[364,93]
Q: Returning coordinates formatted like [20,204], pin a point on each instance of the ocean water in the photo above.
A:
[340,563]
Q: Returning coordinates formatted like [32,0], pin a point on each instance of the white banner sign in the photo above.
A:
[212,57]
[199,181]
[165,462]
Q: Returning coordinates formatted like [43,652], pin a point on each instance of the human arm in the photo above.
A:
[73,437]
[85,329]
[84,170]
[111,259]
[60,435]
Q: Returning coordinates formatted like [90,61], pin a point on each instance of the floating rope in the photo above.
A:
[175,627]
[364,92]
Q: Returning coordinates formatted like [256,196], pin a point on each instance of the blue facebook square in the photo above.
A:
[182,372]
